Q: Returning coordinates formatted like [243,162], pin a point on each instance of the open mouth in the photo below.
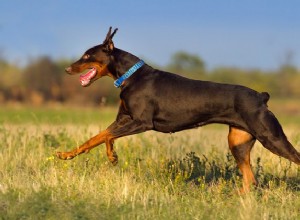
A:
[85,79]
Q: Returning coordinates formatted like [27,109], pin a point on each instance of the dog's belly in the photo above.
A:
[171,127]
[179,122]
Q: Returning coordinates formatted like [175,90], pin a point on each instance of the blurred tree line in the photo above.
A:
[43,80]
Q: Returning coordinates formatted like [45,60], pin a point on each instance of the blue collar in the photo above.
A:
[126,75]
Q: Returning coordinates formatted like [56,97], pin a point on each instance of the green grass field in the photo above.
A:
[186,175]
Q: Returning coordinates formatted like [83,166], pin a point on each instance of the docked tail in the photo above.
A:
[265,97]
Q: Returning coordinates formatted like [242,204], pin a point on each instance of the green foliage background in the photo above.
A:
[43,80]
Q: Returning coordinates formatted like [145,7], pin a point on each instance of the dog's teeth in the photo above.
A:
[84,82]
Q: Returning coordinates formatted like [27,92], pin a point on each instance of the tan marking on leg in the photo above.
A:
[237,137]
[111,154]
[240,143]
[248,177]
[86,147]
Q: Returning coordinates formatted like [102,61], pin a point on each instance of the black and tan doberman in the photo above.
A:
[156,100]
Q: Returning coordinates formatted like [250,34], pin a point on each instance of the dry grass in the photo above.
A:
[156,177]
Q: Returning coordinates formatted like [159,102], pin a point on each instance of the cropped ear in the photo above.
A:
[108,43]
[107,35]
[109,46]
[113,34]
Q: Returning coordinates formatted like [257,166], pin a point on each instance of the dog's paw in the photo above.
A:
[64,155]
[114,159]
[114,162]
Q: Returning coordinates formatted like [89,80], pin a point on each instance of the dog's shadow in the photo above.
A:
[197,170]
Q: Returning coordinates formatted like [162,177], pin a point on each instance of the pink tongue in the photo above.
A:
[86,78]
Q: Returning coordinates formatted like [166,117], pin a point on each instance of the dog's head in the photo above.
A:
[93,63]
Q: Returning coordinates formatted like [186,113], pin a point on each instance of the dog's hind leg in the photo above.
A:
[266,128]
[240,144]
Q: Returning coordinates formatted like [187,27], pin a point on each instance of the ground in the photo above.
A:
[187,175]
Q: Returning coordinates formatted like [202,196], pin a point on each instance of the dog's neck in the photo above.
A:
[120,62]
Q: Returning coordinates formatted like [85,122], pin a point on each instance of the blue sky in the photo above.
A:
[239,33]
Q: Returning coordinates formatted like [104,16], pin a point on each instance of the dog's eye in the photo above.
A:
[85,56]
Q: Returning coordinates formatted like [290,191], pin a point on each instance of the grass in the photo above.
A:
[55,115]
[187,175]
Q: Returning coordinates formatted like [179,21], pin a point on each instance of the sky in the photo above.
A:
[263,34]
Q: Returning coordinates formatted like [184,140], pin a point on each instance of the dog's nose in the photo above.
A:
[68,69]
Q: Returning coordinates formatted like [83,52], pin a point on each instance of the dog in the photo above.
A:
[152,99]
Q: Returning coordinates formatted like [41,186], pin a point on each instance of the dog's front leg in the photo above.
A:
[102,137]
[111,154]
[124,126]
